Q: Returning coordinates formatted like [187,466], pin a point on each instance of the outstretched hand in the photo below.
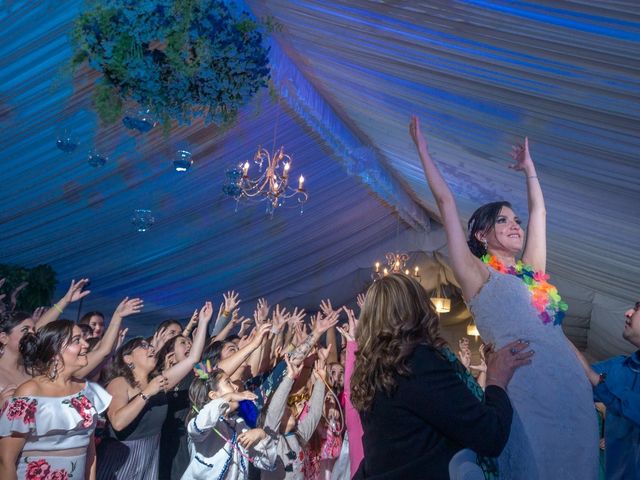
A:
[206,312]
[129,306]
[324,323]
[416,133]
[231,300]
[521,155]
[76,291]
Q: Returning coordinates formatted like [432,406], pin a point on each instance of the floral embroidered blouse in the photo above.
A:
[54,425]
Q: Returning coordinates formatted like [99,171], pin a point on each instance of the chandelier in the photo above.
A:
[396,263]
[271,185]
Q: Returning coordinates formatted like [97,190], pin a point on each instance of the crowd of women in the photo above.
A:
[333,395]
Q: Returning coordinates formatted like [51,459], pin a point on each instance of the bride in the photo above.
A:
[554,433]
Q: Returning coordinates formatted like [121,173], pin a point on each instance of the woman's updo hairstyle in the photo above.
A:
[483,220]
[40,350]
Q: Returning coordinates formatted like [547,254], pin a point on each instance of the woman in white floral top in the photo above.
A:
[47,427]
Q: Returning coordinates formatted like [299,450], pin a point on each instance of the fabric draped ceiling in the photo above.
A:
[480,74]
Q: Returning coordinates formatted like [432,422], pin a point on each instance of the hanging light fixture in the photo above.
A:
[396,262]
[472,329]
[140,119]
[440,301]
[271,185]
[182,161]
[142,219]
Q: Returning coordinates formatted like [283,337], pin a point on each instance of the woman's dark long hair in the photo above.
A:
[396,316]
[483,221]
[119,367]
[40,350]
[10,320]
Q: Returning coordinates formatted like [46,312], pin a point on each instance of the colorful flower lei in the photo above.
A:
[544,296]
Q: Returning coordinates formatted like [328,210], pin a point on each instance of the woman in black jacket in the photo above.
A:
[418,405]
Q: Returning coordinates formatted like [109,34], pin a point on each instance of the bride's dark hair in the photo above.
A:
[396,316]
[483,221]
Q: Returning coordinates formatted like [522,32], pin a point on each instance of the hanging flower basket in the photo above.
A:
[179,58]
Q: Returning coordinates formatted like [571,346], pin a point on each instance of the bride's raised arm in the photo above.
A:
[535,250]
[469,270]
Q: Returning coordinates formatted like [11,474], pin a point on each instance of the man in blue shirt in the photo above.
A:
[616,383]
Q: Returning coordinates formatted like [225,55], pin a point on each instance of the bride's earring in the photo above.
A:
[484,244]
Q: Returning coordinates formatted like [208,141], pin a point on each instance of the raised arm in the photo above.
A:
[469,271]
[535,250]
[76,292]
[124,410]
[176,373]
[230,364]
[105,346]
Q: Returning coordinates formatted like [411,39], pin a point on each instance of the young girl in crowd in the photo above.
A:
[46,429]
[293,433]
[222,443]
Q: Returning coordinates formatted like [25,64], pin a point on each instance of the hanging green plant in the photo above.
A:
[180,58]
[40,285]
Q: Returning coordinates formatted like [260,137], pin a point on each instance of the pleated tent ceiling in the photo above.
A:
[348,74]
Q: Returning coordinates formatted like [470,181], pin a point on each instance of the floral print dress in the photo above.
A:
[54,424]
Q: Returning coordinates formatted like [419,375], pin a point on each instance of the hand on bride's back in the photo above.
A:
[501,364]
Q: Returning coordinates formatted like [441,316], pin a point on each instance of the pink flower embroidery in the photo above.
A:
[22,408]
[83,406]
[58,475]
[38,470]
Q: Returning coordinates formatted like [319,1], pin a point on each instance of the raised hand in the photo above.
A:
[326,307]
[121,336]
[129,306]
[320,369]
[231,301]
[37,313]
[293,371]
[245,324]
[156,385]
[261,312]
[14,294]
[360,301]
[76,291]
[239,396]
[251,437]
[261,332]
[297,316]
[324,323]
[348,330]
[206,312]
[416,133]
[522,157]
[279,318]
[193,321]
[160,338]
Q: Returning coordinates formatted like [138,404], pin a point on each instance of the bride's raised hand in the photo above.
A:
[521,155]
[416,133]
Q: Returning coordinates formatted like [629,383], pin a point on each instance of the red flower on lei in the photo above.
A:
[83,406]
[22,407]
